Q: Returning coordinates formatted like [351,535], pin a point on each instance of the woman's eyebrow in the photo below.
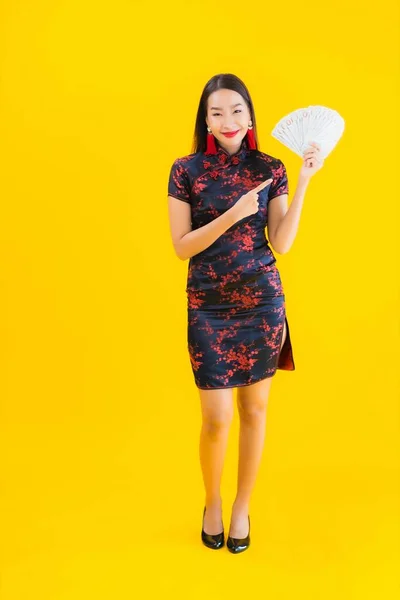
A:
[219,108]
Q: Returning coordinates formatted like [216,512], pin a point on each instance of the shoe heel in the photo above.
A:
[216,541]
[237,545]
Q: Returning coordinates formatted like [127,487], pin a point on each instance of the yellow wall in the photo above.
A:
[100,413]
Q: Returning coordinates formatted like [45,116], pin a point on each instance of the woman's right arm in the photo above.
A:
[188,242]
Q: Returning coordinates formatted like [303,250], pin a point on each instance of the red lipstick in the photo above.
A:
[231,133]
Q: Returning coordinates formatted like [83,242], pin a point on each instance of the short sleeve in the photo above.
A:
[178,184]
[280,184]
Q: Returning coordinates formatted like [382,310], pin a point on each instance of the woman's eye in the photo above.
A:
[216,114]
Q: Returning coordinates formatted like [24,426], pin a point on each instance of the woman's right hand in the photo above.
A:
[248,203]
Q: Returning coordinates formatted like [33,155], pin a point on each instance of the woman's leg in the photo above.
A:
[252,407]
[217,414]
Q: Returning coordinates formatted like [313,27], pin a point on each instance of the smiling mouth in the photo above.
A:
[231,133]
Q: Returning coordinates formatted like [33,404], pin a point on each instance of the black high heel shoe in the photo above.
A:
[215,541]
[236,545]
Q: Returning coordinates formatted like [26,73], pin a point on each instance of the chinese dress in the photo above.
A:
[235,299]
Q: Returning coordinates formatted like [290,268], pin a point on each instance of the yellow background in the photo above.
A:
[102,494]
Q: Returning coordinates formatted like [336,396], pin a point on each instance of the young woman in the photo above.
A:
[220,199]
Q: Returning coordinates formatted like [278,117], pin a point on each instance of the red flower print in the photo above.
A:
[193,299]
[235,298]
[194,356]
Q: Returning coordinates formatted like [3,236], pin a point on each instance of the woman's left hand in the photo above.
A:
[313,161]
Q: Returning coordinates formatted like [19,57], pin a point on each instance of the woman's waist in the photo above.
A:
[255,274]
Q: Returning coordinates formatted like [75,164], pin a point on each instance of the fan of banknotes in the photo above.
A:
[315,123]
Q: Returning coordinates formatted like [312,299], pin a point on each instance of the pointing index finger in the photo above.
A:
[262,185]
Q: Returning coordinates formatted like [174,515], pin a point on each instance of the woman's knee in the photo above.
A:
[253,399]
[217,409]
[215,426]
[253,413]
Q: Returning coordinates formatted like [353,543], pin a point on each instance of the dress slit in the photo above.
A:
[286,361]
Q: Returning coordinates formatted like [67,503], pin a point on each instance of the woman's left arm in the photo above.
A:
[283,222]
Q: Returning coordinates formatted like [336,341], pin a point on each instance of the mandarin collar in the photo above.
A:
[223,157]
[239,153]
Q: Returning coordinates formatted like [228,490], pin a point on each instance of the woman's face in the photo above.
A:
[227,112]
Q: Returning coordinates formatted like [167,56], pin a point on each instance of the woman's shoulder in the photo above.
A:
[187,159]
[267,158]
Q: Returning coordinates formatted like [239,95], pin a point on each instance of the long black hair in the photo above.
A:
[222,80]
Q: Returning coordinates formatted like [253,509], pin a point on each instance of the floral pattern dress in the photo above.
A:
[235,299]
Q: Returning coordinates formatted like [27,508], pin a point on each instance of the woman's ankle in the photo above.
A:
[213,503]
[240,506]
